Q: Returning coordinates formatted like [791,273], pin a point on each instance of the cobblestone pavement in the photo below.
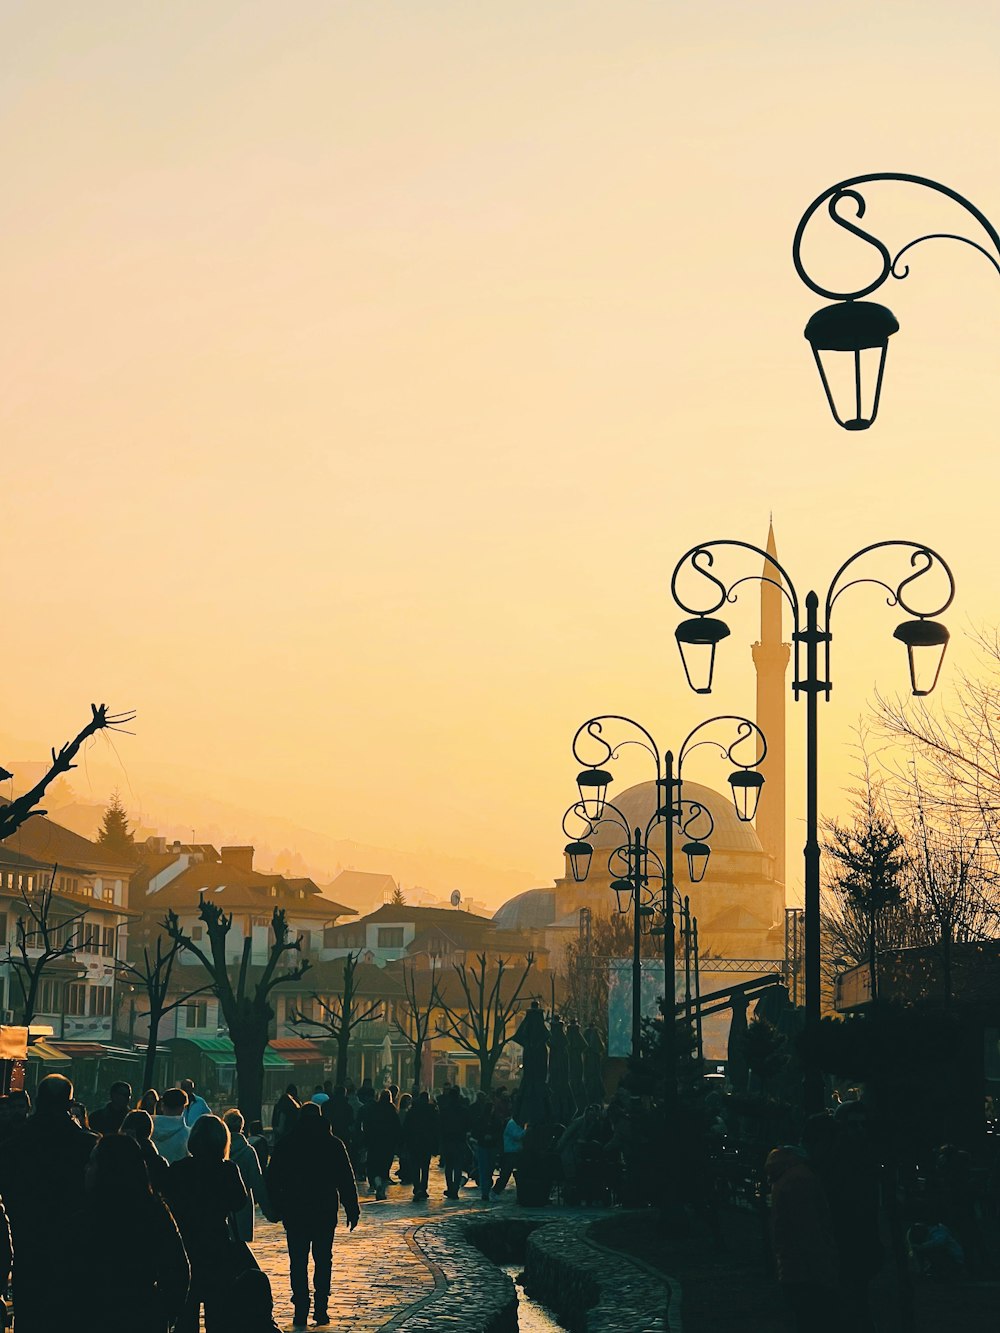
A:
[376,1272]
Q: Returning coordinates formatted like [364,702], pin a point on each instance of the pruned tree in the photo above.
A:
[114,836]
[42,934]
[153,977]
[341,1017]
[413,1017]
[14,814]
[481,1025]
[244,999]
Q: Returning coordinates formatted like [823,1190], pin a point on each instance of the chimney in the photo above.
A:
[240,857]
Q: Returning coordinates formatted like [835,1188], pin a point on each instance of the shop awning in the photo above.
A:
[220,1051]
[41,1050]
[297,1050]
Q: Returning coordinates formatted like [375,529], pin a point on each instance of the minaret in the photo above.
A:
[770,657]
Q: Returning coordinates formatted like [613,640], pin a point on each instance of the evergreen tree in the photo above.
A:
[114,836]
[398,898]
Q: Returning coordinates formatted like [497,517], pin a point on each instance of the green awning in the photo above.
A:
[220,1051]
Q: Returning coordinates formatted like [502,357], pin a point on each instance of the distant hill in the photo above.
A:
[280,843]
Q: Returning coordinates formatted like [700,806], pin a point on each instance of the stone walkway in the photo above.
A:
[378,1270]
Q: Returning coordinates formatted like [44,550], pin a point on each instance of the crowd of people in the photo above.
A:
[171,1188]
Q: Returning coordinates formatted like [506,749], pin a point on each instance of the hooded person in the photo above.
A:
[170,1130]
[308,1178]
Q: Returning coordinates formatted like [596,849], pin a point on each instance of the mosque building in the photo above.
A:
[740,903]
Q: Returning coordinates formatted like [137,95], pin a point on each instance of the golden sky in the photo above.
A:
[365,367]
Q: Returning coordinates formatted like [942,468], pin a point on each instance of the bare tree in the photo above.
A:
[41,927]
[481,1025]
[14,814]
[413,1019]
[244,1000]
[340,1018]
[153,978]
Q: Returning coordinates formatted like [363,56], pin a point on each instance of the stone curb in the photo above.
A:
[470,1293]
[595,1290]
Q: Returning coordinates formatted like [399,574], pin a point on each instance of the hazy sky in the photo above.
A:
[365,367]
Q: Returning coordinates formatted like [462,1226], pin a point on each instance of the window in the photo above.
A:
[197,932]
[100,1001]
[390,937]
[108,893]
[76,999]
[258,921]
[3,928]
[196,1014]
[49,998]
[108,941]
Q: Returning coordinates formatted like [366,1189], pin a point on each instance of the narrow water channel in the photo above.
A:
[532,1316]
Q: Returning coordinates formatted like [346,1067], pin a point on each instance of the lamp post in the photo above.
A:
[853,327]
[925,640]
[634,864]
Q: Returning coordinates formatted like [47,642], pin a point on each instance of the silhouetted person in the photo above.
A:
[286,1110]
[41,1182]
[453,1122]
[420,1134]
[14,1111]
[308,1178]
[252,1304]
[380,1122]
[242,1152]
[202,1190]
[802,1238]
[366,1093]
[138,1126]
[170,1131]
[260,1143]
[149,1101]
[339,1115]
[138,1268]
[196,1107]
[108,1120]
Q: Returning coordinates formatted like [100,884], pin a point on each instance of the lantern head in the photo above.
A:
[593,784]
[579,854]
[647,915]
[623,894]
[697,639]
[849,341]
[926,641]
[697,854]
[746,784]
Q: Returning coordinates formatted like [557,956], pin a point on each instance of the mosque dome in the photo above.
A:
[534,909]
[638,803]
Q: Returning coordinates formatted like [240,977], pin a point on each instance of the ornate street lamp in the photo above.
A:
[579,854]
[925,640]
[856,333]
[634,863]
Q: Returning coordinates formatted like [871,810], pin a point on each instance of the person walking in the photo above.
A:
[453,1123]
[42,1168]
[140,1267]
[108,1120]
[486,1141]
[420,1137]
[308,1178]
[286,1108]
[170,1129]
[138,1126]
[242,1152]
[339,1115]
[513,1146]
[196,1107]
[802,1240]
[202,1190]
[381,1126]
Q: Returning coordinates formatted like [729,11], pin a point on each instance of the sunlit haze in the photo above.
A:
[366,369]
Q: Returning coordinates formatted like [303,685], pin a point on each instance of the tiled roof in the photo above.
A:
[48,841]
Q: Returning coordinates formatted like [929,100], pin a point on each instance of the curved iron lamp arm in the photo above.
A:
[593,730]
[745,730]
[844,190]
